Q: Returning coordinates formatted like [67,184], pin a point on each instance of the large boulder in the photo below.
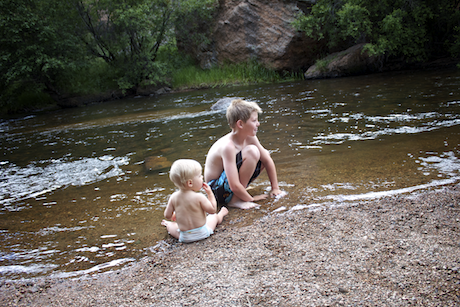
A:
[256,29]
[353,61]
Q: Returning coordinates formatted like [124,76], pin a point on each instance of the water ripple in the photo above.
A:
[18,183]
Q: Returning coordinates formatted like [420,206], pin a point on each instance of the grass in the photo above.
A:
[192,76]
[321,64]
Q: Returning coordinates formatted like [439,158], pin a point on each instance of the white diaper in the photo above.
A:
[196,234]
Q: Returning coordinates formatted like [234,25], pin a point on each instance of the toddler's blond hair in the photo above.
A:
[183,170]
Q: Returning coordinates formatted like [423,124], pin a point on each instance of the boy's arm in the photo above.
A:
[270,168]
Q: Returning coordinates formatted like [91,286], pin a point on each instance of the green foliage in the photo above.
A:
[192,21]
[92,76]
[53,45]
[35,46]
[321,64]
[455,47]
[129,34]
[414,30]
[320,23]
[354,21]
[28,99]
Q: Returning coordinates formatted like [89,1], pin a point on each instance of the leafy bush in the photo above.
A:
[35,47]
[412,30]
[53,45]
[90,77]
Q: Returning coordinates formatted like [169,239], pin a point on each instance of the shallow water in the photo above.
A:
[78,196]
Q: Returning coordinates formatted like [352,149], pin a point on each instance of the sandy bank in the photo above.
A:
[397,251]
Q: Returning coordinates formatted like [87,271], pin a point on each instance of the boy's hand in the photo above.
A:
[275,192]
[260,197]
[173,217]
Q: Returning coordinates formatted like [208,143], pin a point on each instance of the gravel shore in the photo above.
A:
[396,251]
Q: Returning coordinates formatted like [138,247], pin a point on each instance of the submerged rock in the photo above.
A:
[155,163]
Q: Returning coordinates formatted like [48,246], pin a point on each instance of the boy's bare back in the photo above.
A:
[214,165]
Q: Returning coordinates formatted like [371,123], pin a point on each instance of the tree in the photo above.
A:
[36,44]
[128,35]
[45,41]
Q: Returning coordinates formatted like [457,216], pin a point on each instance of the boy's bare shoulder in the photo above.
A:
[220,145]
[214,160]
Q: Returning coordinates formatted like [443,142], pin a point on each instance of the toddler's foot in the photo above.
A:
[223,211]
[165,223]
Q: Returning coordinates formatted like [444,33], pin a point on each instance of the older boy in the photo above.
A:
[237,158]
[189,208]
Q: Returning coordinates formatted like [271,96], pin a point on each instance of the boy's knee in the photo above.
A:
[251,152]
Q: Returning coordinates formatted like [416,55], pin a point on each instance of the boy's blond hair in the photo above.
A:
[183,170]
[241,109]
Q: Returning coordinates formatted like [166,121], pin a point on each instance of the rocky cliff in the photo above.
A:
[262,30]
[256,29]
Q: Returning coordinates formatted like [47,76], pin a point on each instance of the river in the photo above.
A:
[79,193]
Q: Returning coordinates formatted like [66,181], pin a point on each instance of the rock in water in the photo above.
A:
[353,61]
[223,103]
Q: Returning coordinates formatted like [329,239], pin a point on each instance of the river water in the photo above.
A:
[79,193]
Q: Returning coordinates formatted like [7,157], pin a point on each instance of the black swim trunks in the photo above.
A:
[220,186]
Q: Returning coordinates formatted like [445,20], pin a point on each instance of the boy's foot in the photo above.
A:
[243,205]
[165,223]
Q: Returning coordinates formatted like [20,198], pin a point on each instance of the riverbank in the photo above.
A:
[194,79]
[395,251]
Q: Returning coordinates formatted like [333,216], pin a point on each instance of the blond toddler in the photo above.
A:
[188,209]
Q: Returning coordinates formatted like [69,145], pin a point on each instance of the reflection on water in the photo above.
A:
[79,194]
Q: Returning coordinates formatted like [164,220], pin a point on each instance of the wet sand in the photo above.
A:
[396,251]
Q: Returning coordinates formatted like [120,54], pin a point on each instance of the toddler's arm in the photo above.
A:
[169,211]
[211,198]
